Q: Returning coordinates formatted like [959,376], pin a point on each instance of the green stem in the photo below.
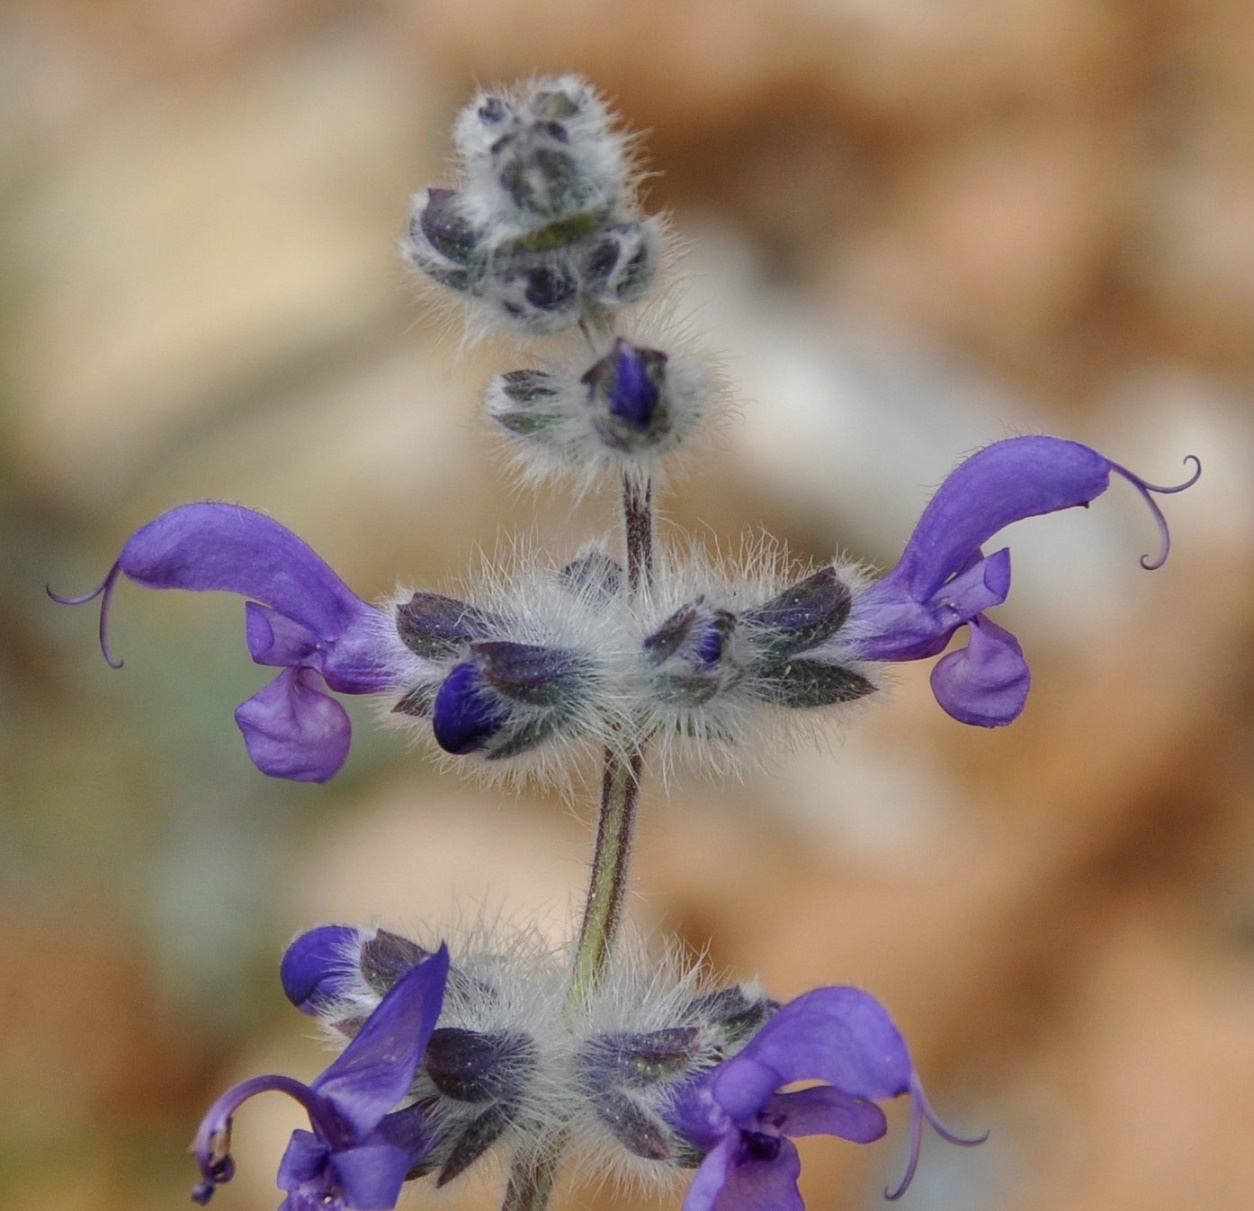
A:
[603,910]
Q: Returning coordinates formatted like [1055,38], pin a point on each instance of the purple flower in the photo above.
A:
[302,618]
[360,1150]
[945,581]
[736,1115]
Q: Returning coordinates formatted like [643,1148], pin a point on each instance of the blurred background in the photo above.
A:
[913,228]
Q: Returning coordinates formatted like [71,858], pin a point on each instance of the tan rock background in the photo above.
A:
[914,228]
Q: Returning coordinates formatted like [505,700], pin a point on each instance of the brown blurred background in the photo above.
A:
[914,227]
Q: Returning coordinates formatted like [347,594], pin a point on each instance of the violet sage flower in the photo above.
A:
[301,618]
[944,581]
[738,1117]
[361,1148]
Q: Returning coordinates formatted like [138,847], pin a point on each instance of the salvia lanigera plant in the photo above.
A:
[602,1054]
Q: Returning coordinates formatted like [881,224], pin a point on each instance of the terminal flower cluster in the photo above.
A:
[544,232]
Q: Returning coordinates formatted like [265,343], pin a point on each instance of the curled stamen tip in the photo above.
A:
[963,1141]
[925,1111]
[60,599]
[1188,483]
[1147,491]
[922,1112]
[104,590]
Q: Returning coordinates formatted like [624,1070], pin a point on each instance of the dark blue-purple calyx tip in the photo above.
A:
[466,714]
[507,697]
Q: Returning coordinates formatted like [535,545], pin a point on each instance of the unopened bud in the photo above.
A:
[627,396]
[443,243]
[593,574]
[507,698]
[525,401]
[689,655]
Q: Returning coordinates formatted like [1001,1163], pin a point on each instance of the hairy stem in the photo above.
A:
[531,1179]
[620,784]
[638,523]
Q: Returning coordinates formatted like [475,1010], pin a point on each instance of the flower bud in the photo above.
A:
[616,1070]
[507,698]
[690,656]
[482,1069]
[624,414]
[472,1066]
[627,397]
[620,263]
[785,631]
[630,1077]
[545,231]
[318,969]
[386,957]
[542,155]
[731,1016]
[537,171]
[528,402]
[442,241]
[465,714]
